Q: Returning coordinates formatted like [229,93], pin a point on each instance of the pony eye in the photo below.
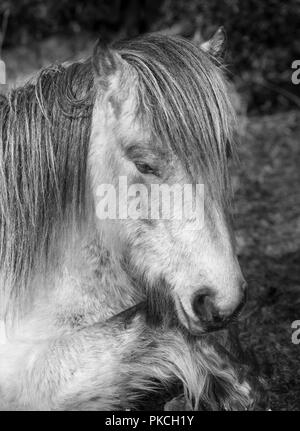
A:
[144,168]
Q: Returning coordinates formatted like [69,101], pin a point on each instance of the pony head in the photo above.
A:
[163,121]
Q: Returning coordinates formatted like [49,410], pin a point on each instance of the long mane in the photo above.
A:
[184,95]
[44,136]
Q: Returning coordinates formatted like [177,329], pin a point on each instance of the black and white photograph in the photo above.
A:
[150,208]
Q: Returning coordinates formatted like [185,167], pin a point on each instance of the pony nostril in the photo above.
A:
[202,305]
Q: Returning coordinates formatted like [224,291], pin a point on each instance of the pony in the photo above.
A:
[96,313]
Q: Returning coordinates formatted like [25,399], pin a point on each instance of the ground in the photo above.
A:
[267,221]
[268,232]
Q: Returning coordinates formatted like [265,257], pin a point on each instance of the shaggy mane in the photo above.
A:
[44,136]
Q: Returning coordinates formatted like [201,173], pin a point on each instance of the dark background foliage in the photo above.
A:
[263,36]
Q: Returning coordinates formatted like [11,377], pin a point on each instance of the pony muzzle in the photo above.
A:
[204,314]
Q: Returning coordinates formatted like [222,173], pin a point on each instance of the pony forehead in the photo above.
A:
[183,99]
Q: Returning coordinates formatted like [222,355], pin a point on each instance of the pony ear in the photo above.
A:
[108,66]
[216,46]
[104,60]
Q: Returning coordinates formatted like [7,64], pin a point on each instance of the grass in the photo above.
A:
[268,232]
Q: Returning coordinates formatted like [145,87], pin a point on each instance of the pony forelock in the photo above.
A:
[183,94]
